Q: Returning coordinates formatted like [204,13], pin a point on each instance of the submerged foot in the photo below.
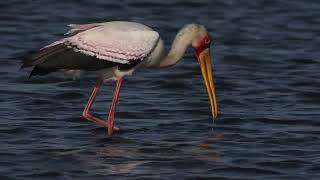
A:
[114,130]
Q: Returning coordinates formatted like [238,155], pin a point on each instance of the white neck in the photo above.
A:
[179,46]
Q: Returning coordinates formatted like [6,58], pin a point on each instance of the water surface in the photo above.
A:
[266,66]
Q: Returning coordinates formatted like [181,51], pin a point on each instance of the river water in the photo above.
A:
[266,67]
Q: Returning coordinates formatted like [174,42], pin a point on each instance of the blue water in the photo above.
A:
[266,67]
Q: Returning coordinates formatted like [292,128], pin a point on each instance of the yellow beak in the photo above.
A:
[206,69]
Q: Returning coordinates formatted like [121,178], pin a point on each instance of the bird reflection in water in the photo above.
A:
[211,154]
[113,160]
[119,152]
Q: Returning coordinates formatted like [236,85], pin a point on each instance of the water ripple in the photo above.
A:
[266,67]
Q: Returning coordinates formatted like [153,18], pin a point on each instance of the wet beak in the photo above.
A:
[204,59]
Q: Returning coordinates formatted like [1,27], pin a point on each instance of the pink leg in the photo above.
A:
[86,113]
[113,108]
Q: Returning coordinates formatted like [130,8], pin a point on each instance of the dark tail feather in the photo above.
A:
[27,60]
[37,57]
[40,71]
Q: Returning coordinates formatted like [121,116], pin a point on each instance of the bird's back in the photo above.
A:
[125,26]
[118,41]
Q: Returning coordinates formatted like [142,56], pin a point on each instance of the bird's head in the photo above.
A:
[201,43]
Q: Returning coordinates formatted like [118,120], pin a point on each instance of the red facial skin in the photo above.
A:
[203,44]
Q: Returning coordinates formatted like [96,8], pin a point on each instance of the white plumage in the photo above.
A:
[113,41]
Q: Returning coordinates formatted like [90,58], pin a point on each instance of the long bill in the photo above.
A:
[204,59]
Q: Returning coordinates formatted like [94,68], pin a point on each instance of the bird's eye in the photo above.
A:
[207,41]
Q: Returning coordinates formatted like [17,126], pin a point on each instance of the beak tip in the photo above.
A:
[214,117]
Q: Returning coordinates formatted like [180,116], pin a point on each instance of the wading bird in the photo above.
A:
[115,49]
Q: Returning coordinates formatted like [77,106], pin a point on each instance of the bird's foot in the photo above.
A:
[114,130]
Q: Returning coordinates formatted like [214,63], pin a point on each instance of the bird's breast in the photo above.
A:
[156,56]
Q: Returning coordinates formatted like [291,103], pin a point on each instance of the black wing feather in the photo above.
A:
[61,56]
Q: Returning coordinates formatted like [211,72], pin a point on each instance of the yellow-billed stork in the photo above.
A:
[115,49]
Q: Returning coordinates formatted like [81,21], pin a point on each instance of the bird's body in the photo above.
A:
[116,49]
